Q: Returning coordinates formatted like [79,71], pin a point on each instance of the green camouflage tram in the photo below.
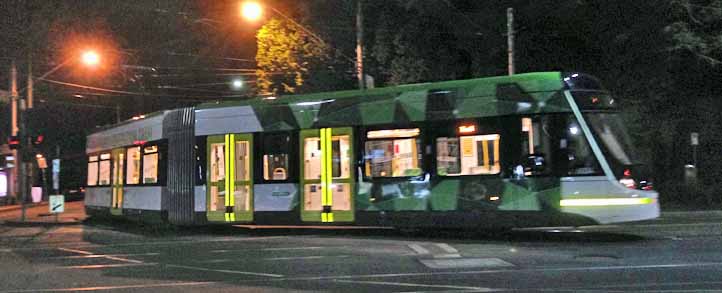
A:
[534,149]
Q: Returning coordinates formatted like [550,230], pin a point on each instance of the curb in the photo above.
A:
[39,224]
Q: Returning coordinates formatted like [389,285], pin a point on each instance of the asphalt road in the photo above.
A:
[678,253]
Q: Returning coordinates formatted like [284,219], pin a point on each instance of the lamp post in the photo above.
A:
[253,11]
[23,154]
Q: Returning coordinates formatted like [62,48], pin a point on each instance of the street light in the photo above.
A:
[90,58]
[237,84]
[251,11]
[87,57]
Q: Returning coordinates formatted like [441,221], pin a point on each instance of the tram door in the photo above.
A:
[327,170]
[118,167]
[229,195]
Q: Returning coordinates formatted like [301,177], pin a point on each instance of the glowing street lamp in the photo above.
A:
[90,58]
[237,84]
[251,11]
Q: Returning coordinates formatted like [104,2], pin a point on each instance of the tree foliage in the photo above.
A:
[285,57]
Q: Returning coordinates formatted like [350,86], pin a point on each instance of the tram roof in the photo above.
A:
[478,87]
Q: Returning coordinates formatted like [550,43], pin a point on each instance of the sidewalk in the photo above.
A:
[12,207]
[39,215]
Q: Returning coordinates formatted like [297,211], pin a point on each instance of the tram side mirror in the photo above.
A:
[535,164]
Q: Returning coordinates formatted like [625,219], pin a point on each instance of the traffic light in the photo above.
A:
[38,139]
[14,142]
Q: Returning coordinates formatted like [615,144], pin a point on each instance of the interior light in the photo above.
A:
[393,133]
[467,129]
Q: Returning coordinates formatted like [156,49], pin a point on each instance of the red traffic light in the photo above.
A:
[38,139]
[14,142]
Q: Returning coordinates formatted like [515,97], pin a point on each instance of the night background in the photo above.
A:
[662,59]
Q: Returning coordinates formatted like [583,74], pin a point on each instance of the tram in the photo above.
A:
[533,149]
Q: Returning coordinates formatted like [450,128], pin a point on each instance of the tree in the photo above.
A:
[286,57]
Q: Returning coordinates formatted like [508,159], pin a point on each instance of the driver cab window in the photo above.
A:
[276,153]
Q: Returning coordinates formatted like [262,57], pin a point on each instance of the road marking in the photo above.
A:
[418,249]
[216,261]
[6,250]
[292,248]
[598,268]
[123,259]
[267,249]
[120,265]
[103,288]
[76,251]
[447,248]
[307,257]
[224,271]
[103,255]
[477,289]
[107,256]
[465,263]
[189,241]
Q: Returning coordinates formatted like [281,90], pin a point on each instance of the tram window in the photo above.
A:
[555,144]
[133,166]
[275,167]
[218,162]
[92,171]
[200,160]
[468,155]
[243,160]
[396,156]
[312,158]
[104,170]
[340,150]
[340,160]
[276,149]
[150,165]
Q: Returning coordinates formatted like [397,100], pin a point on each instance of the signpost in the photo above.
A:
[56,204]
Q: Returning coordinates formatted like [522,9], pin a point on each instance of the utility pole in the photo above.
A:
[14,96]
[360,45]
[19,130]
[16,182]
[30,82]
[510,37]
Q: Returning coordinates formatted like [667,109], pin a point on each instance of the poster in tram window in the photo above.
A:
[150,168]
